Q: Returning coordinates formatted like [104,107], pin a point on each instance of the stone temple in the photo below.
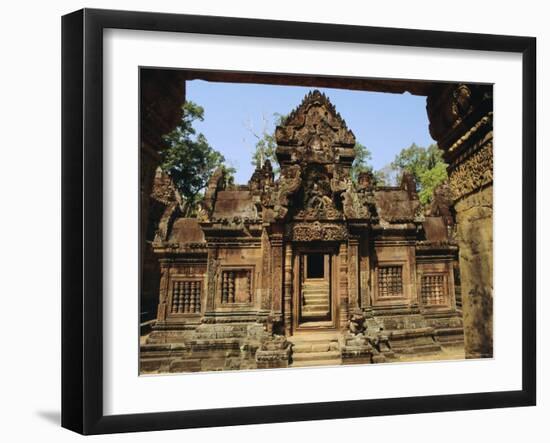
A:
[311,268]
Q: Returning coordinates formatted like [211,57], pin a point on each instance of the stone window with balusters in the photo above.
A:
[186,297]
[433,290]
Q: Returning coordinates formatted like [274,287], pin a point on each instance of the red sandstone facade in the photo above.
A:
[311,268]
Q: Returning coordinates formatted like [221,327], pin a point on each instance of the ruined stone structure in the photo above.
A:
[461,120]
[310,268]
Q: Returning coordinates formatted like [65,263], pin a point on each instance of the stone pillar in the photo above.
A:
[266,273]
[343,284]
[212,274]
[288,289]
[163,307]
[353,273]
[162,95]
[364,276]
[474,217]
[277,277]
[461,120]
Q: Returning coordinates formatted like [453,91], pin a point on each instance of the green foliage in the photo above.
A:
[189,159]
[266,144]
[431,179]
[426,165]
[361,162]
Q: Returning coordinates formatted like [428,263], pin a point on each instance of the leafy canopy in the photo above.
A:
[427,167]
[189,159]
[361,162]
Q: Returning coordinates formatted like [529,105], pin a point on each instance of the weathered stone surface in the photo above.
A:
[235,290]
[461,120]
[475,234]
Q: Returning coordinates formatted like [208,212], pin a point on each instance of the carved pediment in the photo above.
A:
[316,150]
[314,132]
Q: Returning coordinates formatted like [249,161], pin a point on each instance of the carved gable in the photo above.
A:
[315,150]
[315,133]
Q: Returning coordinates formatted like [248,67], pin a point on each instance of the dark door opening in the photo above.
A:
[315,266]
[314,307]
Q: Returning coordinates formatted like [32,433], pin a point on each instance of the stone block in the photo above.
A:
[185,366]
[320,347]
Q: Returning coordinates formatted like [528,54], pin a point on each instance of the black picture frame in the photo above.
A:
[82,218]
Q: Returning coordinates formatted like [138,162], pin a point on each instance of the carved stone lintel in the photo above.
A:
[315,231]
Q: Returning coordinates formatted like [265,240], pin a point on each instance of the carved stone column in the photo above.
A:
[277,276]
[343,284]
[266,273]
[288,289]
[364,273]
[353,273]
[212,273]
[461,120]
[163,307]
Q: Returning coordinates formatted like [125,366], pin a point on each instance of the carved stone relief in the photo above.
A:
[308,232]
[473,173]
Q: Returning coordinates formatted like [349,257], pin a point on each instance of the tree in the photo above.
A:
[266,144]
[189,159]
[431,179]
[426,165]
[361,162]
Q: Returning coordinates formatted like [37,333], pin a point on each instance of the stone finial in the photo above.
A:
[408,183]
[215,184]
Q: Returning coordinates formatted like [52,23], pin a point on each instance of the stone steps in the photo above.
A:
[315,307]
[315,312]
[315,297]
[315,300]
[314,290]
[313,286]
[315,349]
[310,363]
[310,356]
[315,303]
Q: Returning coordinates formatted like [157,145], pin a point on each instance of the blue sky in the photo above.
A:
[384,123]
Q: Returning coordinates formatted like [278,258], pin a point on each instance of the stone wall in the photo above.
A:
[474,215]
[461,120]
[162,94]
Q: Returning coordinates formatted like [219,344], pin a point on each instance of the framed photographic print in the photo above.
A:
[270,221]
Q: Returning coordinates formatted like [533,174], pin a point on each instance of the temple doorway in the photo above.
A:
[314,301]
